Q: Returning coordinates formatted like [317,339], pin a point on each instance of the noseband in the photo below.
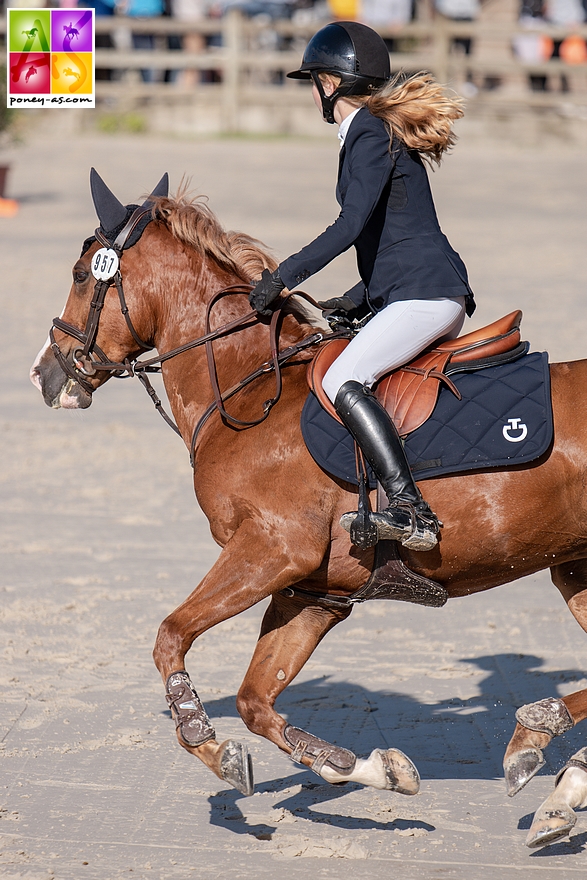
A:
[83,363]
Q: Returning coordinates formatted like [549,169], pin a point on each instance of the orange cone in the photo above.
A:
[8,208]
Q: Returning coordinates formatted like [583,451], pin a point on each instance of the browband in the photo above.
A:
[127,230]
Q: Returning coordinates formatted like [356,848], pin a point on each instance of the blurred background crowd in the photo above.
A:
[499,50]
[376,13]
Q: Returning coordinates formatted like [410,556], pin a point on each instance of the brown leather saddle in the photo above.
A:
[409,394]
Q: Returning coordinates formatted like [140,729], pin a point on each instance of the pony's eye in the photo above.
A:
[79,276]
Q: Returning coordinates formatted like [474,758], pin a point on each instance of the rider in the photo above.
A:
[412,280]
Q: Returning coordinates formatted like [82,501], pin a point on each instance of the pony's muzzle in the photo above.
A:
[58,390]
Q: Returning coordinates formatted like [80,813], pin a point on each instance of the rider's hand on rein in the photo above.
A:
[265,292]
[338,312]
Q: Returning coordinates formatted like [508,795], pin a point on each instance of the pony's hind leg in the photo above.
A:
[248,570]
[555,818]
[292,628]
[539,722]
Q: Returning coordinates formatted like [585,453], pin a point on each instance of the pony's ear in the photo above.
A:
[110,211]
[162,188]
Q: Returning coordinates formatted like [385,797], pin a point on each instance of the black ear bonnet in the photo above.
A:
[114,216]
[111,234]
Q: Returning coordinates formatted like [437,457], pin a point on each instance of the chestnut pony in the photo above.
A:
[275,513]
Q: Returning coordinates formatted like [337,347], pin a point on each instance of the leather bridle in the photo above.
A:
[89,359]
[82,364]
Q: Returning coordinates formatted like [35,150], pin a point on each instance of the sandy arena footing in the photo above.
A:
[101,537]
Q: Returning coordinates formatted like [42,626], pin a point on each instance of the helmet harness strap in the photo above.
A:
[350,84]
[328,101]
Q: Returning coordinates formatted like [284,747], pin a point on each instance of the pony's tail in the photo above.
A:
[418,112]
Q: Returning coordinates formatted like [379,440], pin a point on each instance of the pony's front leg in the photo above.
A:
[555,818]
[537,724]
[248,570]
[229,760]
[292,628]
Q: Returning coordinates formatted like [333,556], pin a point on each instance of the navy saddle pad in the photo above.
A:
[504,418]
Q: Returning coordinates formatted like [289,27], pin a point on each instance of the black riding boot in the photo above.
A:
[408,518]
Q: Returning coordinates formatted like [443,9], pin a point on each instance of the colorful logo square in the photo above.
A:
[72,30]
[71,73]
[50,58]
[30,73]
[29,30]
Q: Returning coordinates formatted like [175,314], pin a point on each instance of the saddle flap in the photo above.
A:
[409,394]
[319,366]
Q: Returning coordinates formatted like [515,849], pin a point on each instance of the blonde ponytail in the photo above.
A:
[418,112]
[415,109]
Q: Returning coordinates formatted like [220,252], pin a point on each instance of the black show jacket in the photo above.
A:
[388,214]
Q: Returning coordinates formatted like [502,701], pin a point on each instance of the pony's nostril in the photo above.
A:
[35,377]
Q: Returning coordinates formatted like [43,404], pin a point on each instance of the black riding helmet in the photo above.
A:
[354,52]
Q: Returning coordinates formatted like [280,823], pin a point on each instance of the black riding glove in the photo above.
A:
[339,312]
[265,292]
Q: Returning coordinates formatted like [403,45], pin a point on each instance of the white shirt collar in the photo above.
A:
[345,125]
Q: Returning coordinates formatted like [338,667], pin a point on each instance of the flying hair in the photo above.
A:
[191,221]
[415,109]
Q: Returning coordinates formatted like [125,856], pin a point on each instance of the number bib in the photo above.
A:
[104,264]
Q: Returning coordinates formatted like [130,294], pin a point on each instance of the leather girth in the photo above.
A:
[391,579]
[410,393]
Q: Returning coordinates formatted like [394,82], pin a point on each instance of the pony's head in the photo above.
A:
[65,370]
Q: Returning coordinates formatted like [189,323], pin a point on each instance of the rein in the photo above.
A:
[84,363]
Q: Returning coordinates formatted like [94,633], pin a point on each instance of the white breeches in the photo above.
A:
[393,337]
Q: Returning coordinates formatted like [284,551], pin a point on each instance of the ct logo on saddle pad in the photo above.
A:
[515,425]
[104,264]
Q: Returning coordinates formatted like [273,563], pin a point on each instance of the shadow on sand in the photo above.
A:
[452,738]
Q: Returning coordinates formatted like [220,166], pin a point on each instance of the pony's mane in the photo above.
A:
[189,219]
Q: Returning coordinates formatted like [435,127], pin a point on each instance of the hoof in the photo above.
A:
[550,824]
[520,768]
[236,767]
[400,773]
